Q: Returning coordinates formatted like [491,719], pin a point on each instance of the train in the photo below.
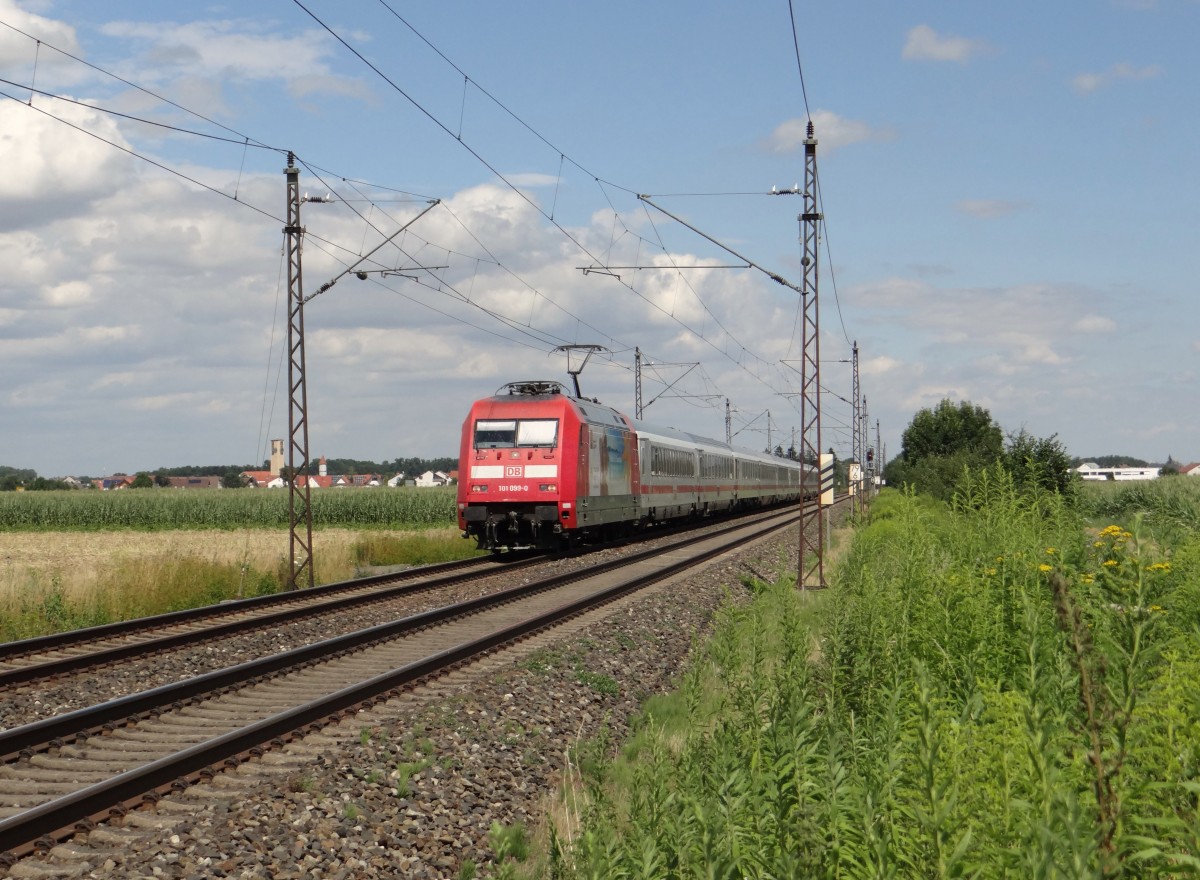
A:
[542,469]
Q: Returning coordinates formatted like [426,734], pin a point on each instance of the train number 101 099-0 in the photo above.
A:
[515,487]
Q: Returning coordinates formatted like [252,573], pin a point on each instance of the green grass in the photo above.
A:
[167,509]
[411,549]
[989,689]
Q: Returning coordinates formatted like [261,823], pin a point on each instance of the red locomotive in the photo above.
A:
[540,468]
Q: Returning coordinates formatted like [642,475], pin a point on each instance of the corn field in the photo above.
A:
[1168,501]
[168,509]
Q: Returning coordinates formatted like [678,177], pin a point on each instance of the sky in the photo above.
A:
[1008,191]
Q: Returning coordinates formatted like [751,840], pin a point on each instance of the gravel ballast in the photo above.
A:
[411,787]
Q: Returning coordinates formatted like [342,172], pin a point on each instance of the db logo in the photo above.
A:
[512,470]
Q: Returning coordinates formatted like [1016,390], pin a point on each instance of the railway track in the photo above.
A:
[66,772]
[76,650]
[83,651]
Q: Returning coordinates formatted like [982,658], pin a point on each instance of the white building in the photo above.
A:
[1089,470]
[433,478]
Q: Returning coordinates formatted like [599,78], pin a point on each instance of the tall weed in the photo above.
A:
[991,692]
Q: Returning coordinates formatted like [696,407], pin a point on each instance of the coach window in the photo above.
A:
[537,432]
[492,434]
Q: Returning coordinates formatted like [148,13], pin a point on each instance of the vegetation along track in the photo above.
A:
[187,643]
[63,773]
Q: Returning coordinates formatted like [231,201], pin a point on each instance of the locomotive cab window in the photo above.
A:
[537,432]
[492,434]
[496,433]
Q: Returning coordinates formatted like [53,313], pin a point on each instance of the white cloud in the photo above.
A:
[1008,331]
[988,208]
[881,366]
[69,293]
[1095,324]
[831,131]
[533,178]
[50,169]
[923,43]
[1086,83]
[931,395]
[231,48]
[18,53]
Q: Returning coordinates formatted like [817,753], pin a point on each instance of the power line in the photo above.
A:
[246,141]
[475,153]
[799,66]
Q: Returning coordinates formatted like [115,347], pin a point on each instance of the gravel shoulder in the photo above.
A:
[411,787]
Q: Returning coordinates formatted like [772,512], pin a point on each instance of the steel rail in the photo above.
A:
[311,602]
[41,735]
[59,818]
[77,662]
[37,644]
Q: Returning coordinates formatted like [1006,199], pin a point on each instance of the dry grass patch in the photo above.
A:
[50,581]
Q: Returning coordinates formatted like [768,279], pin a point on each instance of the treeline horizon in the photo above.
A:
[12,477]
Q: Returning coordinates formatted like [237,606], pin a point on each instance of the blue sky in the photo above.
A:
[1008,190]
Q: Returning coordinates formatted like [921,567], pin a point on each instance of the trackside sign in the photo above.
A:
[826,479]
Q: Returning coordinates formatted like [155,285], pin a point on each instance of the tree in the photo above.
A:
[951,428]
[142,481]
[1040,462]
[232,479]
[940,443]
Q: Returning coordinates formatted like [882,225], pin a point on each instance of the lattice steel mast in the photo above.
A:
[811,563]
[868,467]
[299,500]
[858,442]
[637,383]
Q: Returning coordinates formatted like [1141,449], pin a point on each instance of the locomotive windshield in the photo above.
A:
[493,434]
[537,432]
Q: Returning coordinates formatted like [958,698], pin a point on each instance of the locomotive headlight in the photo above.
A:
[547,487]
[479,487]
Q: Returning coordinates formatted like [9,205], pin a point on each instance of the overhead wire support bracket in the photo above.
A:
[750,264]
[406,272]
[433,203]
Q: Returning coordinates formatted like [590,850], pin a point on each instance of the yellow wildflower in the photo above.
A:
[1045,567]
[1110,562]
[1050,550]
[1088,579]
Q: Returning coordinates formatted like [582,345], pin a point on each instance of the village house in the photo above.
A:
[436,478]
